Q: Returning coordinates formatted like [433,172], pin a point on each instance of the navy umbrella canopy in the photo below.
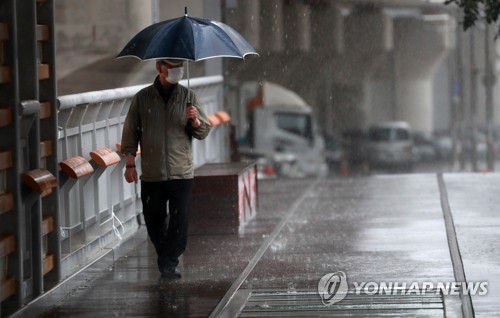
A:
[187,38]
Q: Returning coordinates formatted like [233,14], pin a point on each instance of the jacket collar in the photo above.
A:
[166,94]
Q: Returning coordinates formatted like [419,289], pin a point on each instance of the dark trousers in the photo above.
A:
[169,238]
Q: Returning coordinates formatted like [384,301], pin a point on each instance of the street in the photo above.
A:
[381,229]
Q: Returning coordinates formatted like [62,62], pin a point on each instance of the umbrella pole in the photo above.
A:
[189,92]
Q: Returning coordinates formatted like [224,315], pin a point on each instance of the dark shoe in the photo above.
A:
[170,272]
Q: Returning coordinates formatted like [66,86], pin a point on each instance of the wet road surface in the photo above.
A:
[475,203]
[374,229]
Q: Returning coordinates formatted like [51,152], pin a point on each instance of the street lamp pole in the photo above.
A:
[473,98]
[489,81]
[458,125]
[457,99]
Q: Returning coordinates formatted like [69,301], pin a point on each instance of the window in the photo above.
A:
[389,134]
[298,124]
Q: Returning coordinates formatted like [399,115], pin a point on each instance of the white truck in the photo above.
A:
[282,127]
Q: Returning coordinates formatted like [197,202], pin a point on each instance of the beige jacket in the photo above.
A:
[163,133]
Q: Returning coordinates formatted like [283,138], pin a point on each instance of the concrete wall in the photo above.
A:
[90,33]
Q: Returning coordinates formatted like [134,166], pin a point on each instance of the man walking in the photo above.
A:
[162,121]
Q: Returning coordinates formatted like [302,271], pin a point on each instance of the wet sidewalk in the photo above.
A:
[391,229]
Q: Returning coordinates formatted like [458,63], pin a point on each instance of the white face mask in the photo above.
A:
[175,75]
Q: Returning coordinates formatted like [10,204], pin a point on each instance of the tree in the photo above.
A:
[475,10]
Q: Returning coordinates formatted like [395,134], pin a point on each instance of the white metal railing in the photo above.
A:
[101,203]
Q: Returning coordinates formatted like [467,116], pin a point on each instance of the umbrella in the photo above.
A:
[187,38]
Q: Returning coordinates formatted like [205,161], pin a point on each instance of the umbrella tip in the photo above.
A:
[185,11]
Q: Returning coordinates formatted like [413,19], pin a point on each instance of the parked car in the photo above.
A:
[444,145]
[390,145]
[334,153]
[480,141]
[424,149]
